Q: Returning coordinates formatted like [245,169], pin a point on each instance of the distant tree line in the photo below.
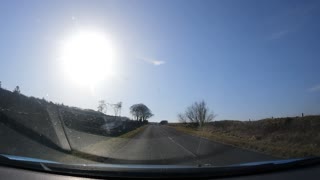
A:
[103,107]
[140,112]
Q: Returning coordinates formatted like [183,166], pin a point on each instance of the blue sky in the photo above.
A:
[246,59]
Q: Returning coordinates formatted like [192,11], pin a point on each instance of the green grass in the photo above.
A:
[113,143]
[282,137]
[133,133]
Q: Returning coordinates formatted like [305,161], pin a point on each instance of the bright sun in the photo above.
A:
[87,57]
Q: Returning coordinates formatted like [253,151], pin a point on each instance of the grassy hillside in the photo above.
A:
[282,137]
[27,122]
[26,114]
[34,114]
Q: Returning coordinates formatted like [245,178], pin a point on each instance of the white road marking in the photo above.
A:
[182,147]
[164,132]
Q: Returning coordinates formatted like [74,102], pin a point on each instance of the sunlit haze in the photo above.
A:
[87,57]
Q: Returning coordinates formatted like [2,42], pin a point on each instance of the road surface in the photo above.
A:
[154,145]
[165,145]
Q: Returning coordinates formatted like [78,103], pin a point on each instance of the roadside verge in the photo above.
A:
[102,149]
[276,149]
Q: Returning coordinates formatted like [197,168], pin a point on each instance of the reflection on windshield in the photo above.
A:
[208,83]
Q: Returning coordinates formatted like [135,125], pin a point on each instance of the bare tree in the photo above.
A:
[116,108]
[134,110]
[197,113]
[17,90]
[102,107]
[182,118]
[146,114]
[140,112]
[119,106]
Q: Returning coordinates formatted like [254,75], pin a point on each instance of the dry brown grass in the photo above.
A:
[133,133]
[281,137]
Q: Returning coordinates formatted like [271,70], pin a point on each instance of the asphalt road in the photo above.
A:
[165,145]
[154,145]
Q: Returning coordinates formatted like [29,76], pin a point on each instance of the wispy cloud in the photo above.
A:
[278,35]
[314,88]
[155,62]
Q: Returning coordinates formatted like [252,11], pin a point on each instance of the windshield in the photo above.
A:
[192,83]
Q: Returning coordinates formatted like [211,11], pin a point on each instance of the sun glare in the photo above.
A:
[88,57]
